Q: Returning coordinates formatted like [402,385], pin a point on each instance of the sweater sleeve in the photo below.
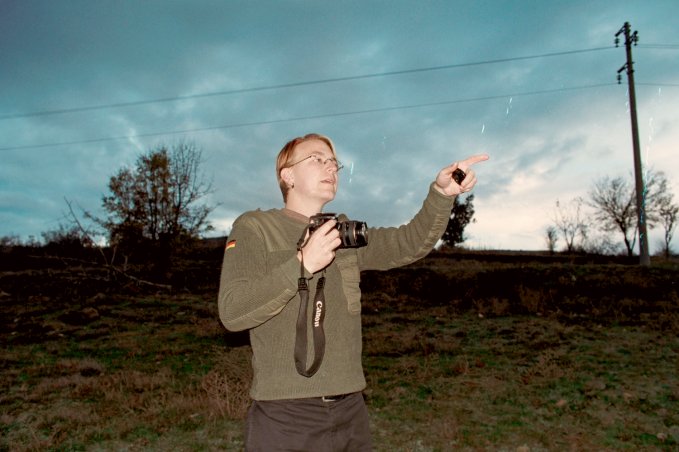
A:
[252,288]
[394,247]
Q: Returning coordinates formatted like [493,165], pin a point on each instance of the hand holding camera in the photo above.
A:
[327,234]
[320,246]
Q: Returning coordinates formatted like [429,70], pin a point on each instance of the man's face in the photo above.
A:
[315,176]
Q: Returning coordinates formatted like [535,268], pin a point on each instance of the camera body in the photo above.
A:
[459,175]
[354,234]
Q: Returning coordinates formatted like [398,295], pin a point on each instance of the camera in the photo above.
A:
[459,175]
[354,234]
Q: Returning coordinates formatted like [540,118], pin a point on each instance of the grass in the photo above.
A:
[124,381]
[534,362]
[509,382]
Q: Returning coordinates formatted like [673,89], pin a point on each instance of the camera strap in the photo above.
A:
[301,341]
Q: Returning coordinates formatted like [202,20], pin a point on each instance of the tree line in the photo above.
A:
[158,207]
[152,211]
[587,224]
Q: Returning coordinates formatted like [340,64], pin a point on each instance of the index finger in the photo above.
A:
[327,226]
[469,161]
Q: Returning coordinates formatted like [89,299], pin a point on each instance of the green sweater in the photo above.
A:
[258,291]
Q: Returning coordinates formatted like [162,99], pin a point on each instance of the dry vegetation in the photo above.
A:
[462,352]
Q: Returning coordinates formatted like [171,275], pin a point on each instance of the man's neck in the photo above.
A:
[307,209]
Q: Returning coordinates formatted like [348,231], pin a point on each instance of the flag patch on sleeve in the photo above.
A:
[230,244]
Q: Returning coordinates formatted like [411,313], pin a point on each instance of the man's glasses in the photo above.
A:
[334,163]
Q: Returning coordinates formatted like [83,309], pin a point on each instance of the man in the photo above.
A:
[271,265]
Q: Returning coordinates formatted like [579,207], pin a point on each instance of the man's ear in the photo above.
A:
[286,175]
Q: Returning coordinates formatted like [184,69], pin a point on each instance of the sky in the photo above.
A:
[403,88]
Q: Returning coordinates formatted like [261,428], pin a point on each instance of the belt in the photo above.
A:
[334,398]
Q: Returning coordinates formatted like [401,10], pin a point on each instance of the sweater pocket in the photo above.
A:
[347,262]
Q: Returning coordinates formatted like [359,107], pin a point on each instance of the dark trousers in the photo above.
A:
[308,425]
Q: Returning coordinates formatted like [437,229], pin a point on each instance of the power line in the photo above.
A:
[303,118]
[659,46]
[658,84]
[292,85]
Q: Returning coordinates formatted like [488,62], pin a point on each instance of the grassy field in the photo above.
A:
[473,352]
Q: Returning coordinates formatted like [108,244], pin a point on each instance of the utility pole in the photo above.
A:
[630,39]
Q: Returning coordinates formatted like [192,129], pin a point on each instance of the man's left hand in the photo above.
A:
[445,183]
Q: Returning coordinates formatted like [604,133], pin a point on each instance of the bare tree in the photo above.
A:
[668,213]
[569,220]
[614,201]
[551,238]
[614,206]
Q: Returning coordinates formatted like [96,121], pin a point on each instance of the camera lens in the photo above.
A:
[354,234]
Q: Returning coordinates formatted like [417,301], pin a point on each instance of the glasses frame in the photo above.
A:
[320,160]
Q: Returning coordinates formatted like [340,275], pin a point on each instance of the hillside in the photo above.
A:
[462,351]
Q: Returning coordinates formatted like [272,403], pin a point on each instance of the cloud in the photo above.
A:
[550,142]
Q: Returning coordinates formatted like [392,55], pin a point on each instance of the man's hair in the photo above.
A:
[285,157]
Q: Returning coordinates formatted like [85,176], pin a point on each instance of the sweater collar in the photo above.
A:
[295,215]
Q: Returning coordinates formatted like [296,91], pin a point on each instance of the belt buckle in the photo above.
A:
[332,398]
